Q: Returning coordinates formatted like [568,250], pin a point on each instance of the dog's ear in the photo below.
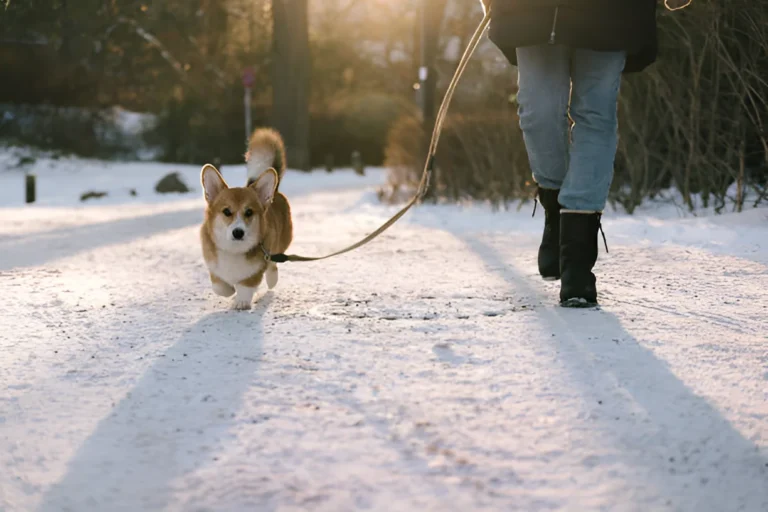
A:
[212,181]
[266,186]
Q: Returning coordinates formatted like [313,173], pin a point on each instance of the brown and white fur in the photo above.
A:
[238,220]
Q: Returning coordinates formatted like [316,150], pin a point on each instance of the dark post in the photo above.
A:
[357,163]
[31,192]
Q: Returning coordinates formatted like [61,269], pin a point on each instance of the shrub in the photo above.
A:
[480,156]
[358,122]
[195,129]
[80,131]
[698,119]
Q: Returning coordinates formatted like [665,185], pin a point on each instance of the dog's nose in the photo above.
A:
[238,233]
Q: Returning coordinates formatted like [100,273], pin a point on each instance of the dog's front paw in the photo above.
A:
[244,298]
[241,305]
[222,289]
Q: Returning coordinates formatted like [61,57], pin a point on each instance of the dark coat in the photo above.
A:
[602,25]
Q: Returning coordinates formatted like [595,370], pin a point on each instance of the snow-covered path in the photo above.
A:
[430,370]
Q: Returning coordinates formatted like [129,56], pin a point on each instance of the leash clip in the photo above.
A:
[267,256]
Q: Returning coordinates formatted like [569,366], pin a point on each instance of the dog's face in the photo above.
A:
[235,216]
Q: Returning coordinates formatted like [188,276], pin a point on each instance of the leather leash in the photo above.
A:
[429,165]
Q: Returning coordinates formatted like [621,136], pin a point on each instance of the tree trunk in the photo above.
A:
[291,78]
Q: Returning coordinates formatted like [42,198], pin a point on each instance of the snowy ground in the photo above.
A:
[430,370]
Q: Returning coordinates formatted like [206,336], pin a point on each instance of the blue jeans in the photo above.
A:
[555,83]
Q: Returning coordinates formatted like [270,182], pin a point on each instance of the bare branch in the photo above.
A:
[156,43]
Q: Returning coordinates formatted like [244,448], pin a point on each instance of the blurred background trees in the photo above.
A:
[337,76]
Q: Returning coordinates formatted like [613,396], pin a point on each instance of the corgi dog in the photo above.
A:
[243,226]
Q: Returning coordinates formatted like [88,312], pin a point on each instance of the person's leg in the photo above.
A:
[596,79]
[544,84]
[544,91]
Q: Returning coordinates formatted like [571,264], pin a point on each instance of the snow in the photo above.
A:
[429,370]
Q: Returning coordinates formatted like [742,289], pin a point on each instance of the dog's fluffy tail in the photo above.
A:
[265,149]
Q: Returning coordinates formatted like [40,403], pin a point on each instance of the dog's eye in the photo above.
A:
[248,212]
[227,212]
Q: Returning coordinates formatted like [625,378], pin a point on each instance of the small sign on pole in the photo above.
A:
[249,78]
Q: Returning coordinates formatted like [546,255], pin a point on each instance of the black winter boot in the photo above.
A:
[578,254]
[549,250]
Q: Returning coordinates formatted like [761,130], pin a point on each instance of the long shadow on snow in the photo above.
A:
[62,243]
[670,414]
[173,422]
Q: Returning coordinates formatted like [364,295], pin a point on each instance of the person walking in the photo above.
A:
[570,56]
